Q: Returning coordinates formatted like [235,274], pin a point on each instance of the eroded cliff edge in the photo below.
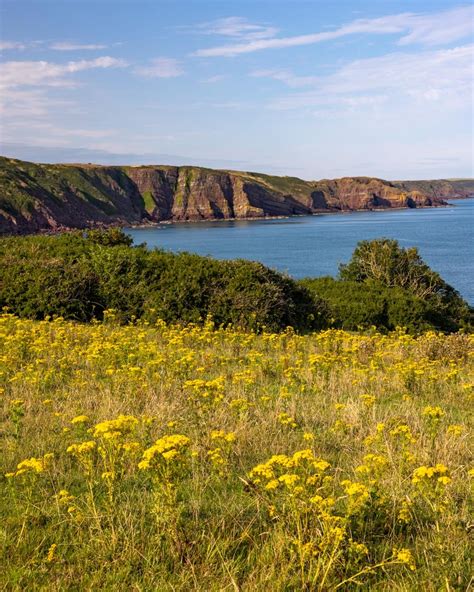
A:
[37,197]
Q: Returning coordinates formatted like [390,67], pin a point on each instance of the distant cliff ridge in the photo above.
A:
[37,197]
[442,188]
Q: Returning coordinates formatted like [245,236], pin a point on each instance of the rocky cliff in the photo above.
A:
[441,188]
[36,197]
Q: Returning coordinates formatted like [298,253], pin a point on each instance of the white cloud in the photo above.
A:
[443,76]
[65,46]
[161,68]
[42,73]
[26,101]
[286,77]
[4,45]
[58,46]
[427,29]
[440,28]
[53,130]
[237,27]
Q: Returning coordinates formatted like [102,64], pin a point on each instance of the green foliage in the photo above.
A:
[148,201]
[110,237]
[385,262]
[79,277]
[354,305]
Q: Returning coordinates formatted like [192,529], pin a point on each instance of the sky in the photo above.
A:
[313,89]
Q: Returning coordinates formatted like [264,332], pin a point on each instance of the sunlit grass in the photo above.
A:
[167,458]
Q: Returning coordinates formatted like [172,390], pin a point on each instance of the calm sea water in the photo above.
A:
[315,245]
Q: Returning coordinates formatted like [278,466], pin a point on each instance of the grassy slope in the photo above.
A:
[24,184]
[199,520]
[444,187]
[71,195]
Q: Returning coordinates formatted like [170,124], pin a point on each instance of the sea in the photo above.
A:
[313,246]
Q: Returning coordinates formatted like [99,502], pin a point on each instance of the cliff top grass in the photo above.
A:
[50,196]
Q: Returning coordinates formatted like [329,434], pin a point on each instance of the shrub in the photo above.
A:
[79,277]
[110,237]
[355,305]
[383,261]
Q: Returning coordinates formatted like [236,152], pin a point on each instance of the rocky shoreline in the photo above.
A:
[55,198]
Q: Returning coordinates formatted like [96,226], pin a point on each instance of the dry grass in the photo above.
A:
[380,499]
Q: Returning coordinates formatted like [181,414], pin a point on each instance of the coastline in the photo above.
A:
[314,246]
[149,224]
[164,223]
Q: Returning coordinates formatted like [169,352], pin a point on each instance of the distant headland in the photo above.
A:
[54,197]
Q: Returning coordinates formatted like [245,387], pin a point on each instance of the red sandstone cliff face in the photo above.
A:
[361,193]
[189,193]
[53,197]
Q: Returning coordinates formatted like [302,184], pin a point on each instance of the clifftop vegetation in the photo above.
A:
[80,276]
[155,457]
[194,432]
[36,197]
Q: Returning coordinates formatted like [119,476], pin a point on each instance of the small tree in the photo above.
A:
[385,262]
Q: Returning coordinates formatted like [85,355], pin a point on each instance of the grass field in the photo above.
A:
[163,458]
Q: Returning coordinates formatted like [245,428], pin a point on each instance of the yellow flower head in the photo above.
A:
[167,448]
[425,473]
[433,413]
[404,556]
[368,400]
[80,419]
[112,428]
[455,430]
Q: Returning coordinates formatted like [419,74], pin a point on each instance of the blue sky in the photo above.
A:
[316,89]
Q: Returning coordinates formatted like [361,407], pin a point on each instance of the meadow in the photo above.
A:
[161,457]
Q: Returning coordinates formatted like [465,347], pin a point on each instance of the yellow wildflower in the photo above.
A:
[404,556]
[51,552]
[166,448]
[433,413]
[455,430]
[368,400]
[80,419]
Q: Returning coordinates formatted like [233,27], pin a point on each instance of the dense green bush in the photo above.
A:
[354,305]
[385,262]
[79,277]
[109,238]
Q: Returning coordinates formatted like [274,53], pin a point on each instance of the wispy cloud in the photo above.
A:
[42,73]
[443,76]
[237,27]
[66,46]
[5,45]
[440,28]
[26,100]
[57,46]
[59,132]
[427,29]
[161,68]
[27,104]
[286,77]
